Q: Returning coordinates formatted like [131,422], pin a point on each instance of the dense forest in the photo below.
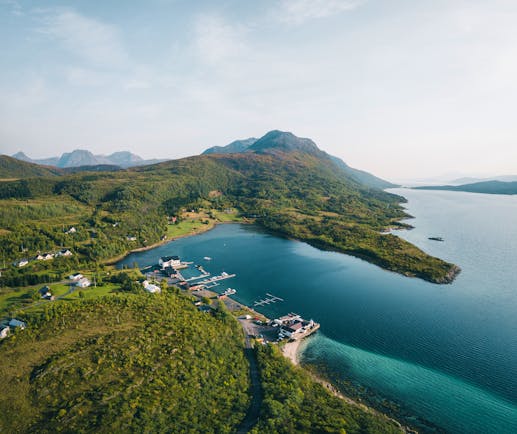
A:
[124,363]
[299,194]
[294,403]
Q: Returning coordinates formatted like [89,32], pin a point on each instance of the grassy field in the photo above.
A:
[203,220]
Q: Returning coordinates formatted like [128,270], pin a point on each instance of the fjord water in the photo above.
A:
[447,353]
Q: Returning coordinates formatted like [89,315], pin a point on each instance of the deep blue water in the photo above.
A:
[448,353]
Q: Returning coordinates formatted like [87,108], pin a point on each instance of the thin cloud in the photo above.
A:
[14,6]
[216,40]
[95,42]
[300,11]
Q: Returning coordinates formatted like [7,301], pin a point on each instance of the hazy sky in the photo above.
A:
[401,88]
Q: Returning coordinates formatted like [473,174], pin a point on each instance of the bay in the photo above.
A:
[447,353]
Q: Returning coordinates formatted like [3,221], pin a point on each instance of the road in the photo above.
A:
[256,392]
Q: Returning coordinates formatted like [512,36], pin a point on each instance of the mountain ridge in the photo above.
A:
[277,141]
[83,157]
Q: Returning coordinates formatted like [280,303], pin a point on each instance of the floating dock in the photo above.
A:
[213,279]
[201,276]
[267,300]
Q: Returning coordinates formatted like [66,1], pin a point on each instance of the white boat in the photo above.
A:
[207,258]
[229,291]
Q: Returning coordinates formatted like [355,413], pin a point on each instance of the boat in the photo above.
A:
[229,291]
[207,258]
[436,238]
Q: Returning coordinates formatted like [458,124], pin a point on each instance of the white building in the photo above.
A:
[83,283]
[64,252]
[76,277]
[169,261]
[4,332]
[21,263]
[149,287]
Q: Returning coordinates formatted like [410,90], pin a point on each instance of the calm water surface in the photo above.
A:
[448,353]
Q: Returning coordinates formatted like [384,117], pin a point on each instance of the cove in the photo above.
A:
[445,352]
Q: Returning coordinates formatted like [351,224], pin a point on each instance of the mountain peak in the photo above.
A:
[283,141]
[79,157]
[22,156]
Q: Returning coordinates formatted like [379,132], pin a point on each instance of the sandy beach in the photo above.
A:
[290,350]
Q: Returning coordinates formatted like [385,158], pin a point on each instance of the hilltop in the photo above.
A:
[279,141]
[13,168]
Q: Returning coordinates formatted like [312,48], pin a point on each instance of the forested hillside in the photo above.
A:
[295,192]
[135,362]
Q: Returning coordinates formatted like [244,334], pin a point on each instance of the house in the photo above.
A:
[64,252]
[131,238]
[4,332]
[38,257]
[149,287]
[169,261]
[21,263]
[75,277]
[292,329]
[17,324]
[47,256]
[83,283]
[45,292]
[72,230]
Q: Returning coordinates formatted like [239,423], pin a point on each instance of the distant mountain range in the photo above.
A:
[487,187]
[279,141]
[273,143]
[81,157]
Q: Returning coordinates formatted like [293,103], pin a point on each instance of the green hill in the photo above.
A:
[486,187]
[279,141]
[135,362]
[12,168]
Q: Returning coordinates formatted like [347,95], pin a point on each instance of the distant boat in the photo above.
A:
[229,291]
[207,258]
[436,238]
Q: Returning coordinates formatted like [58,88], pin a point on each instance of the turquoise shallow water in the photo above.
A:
[448,353]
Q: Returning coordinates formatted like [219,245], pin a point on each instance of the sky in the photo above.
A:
[401,88]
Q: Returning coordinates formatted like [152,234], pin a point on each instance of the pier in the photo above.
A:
[267,300]
[213,279]
[201,276]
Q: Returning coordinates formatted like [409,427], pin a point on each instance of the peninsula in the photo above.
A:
[283,183]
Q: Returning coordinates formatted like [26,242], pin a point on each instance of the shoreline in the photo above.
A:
[290,350]
[207,228]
